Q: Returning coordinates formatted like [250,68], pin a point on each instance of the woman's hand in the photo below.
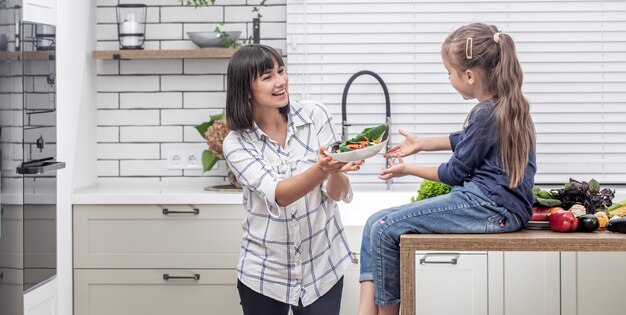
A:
[394,170]
[332,166]
[328,164]
[410,145]
[352,166]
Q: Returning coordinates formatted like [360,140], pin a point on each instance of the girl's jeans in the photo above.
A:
[464,210]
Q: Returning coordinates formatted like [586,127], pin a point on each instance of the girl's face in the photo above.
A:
[270,88]
[461,81]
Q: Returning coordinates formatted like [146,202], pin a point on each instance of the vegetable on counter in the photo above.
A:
[578,210]
[542,213]
[617,209]
[588,223]
[617,225]
[603,219]
[430,189]
[543,198]
[563,221]
[590,195]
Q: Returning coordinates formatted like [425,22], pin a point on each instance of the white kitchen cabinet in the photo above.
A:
[123,252]
[157,236]
[40,11]
[451,283]
[131,292]
[516,283]
[523,283]
[495,283]
[42,300]
[593,282]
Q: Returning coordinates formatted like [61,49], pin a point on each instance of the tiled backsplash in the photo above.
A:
[149,107]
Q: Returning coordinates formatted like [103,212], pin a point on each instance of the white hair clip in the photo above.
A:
[468,47]
[496,37]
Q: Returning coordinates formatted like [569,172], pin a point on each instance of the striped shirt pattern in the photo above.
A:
[298,252]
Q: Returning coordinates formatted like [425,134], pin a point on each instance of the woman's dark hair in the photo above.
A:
[244,67]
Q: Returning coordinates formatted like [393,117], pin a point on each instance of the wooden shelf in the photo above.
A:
[31,55]
[164,54]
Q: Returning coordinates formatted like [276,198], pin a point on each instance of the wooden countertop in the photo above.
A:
[524,240]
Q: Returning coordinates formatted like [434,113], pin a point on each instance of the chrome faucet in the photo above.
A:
[344,121]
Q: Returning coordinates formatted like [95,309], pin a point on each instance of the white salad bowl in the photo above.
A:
[357,155]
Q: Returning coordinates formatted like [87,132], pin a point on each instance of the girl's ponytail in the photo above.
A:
[515,126]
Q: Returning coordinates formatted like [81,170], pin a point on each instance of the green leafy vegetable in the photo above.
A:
[544,198]
[429,189]
[369,134]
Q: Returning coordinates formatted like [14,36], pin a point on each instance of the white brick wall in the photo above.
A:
[149,107]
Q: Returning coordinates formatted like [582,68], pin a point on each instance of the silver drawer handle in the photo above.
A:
[452,261]
[195,211]
[196,276]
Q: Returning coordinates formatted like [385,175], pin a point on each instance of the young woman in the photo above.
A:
[492,167]
[294,249]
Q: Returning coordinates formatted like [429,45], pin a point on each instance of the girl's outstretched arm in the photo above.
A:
[401,169]
[413,144]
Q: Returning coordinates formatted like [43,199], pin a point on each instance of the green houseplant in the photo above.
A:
[214,132]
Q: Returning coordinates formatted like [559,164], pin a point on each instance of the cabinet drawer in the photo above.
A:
[131,292]
[142,236]
[440,276]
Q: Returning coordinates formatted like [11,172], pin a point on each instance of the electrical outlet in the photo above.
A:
[192,160]
[175,160]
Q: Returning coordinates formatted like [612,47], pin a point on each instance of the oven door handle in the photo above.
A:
[40,167]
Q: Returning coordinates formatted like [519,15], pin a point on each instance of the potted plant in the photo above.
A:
[214,131]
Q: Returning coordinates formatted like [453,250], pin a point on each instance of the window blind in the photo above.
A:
[573,54]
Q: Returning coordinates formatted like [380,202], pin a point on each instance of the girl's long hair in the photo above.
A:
[474,47]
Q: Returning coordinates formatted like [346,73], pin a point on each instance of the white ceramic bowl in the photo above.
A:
[211,39]
[357,155]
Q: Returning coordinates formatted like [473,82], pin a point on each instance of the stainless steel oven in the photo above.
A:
[28,166]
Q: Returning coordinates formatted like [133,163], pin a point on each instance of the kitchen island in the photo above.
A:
[560,272]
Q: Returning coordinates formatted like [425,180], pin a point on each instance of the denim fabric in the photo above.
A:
[464,210]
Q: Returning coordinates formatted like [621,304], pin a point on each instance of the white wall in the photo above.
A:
[149,107]
[76,132]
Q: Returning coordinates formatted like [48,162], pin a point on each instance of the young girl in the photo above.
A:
[492,166]
[294,249]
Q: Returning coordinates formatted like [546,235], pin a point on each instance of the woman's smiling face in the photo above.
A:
[271,88]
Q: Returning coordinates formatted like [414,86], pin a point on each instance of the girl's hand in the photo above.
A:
[394,170]
[410,145]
